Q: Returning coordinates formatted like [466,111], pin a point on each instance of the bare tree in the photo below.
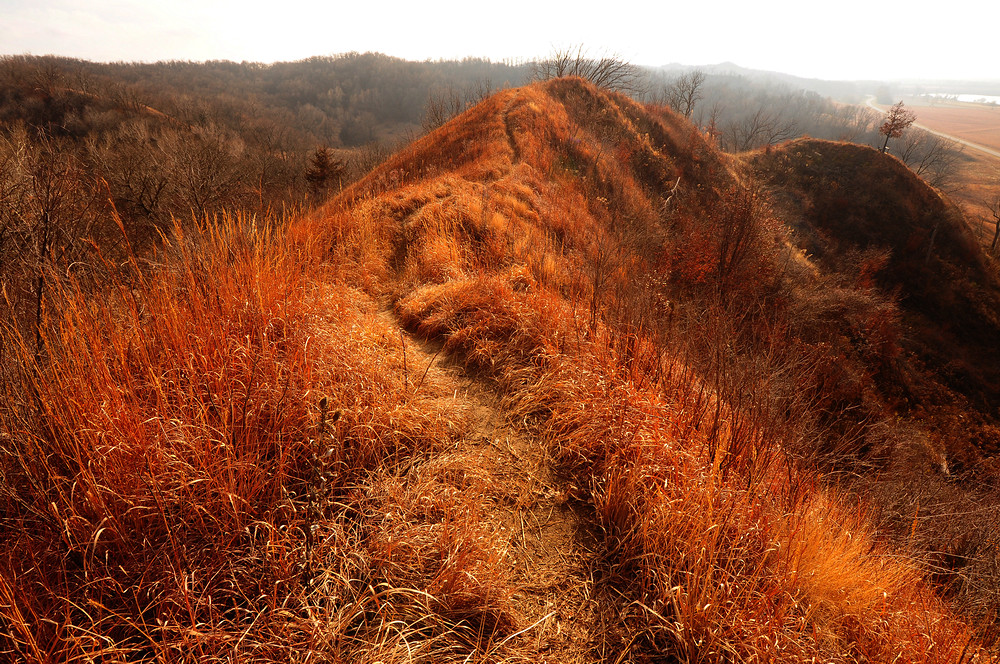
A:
[710,120]
[685,92]
[933,158]
[205,167]
[50,212]
[442,105]
[855,123]
[133,164]
[995,209]
[741,226]
[480,89]
[897,120]
[762,127]
[607,71]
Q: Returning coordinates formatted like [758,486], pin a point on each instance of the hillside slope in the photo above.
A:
[854,209]
[551,384]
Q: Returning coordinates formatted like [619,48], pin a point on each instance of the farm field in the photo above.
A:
[978,184]
[972,122]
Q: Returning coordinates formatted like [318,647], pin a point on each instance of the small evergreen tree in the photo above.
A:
[324,169]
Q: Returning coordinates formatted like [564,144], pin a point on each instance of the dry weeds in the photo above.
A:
[540,454]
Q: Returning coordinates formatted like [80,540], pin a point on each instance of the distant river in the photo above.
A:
[972,99]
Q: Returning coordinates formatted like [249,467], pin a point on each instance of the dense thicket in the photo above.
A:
[344,100]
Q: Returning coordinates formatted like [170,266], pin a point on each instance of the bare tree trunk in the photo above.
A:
[930,245]
[43,250]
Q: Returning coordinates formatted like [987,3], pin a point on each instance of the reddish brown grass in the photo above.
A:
[723,547]
[233,455]
[184,466]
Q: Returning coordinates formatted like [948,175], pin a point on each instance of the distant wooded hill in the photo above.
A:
[347,100]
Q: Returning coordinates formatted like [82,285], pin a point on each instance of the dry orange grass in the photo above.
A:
[189,465]
[232,457]
[766,570]
[748,565]
[724,549]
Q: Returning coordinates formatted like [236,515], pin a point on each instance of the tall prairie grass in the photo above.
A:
[228,454]
[184,462]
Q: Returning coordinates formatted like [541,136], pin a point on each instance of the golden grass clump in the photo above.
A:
[176,453]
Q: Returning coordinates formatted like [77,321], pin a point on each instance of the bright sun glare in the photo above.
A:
[844,41]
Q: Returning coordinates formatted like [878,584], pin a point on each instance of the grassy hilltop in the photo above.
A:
[560,381]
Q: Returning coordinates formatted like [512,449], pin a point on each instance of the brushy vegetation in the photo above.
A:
[232,454]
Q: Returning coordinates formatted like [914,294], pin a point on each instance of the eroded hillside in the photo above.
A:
[623,235]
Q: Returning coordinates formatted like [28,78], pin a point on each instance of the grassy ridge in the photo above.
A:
[230,454]
[690,479]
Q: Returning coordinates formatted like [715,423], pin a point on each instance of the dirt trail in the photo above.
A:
[509,128]
[551,549]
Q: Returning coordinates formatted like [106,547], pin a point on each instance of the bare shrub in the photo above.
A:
[605,71]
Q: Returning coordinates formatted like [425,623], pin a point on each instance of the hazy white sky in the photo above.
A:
[847,39]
